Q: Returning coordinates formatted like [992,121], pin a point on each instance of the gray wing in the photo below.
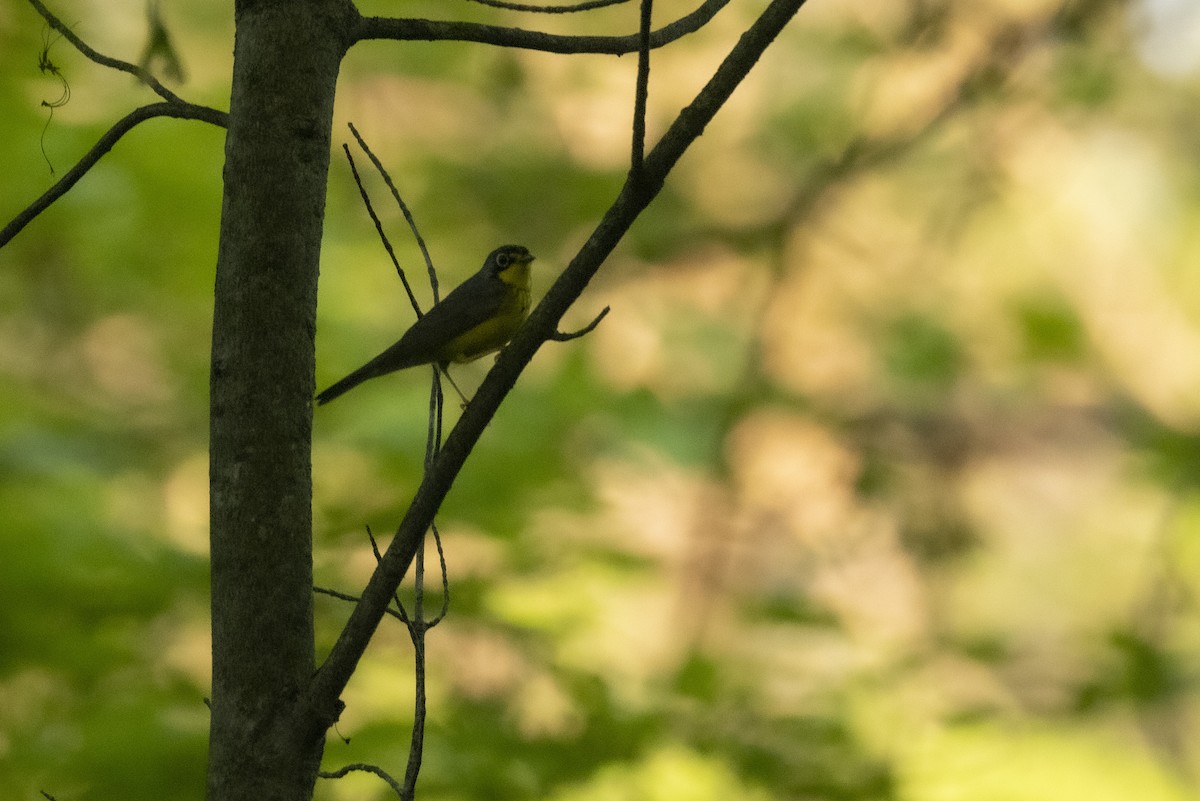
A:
[470,303]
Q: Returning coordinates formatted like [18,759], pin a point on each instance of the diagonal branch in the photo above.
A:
[636,193]
[425,30]
[174,106]
[178,109]
[101,59]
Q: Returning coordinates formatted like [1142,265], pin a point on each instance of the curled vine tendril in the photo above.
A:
[48,67]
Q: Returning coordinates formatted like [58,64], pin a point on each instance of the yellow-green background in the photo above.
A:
[879,481]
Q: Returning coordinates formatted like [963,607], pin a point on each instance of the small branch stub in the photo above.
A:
[559,336]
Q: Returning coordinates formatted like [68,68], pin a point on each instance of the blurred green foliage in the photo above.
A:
[878,482]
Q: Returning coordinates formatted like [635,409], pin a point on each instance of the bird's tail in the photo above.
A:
[398,357]
[346,384]
[376,367]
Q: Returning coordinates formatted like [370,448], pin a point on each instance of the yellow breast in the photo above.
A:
[494,333]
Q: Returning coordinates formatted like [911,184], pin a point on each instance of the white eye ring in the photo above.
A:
[503,260]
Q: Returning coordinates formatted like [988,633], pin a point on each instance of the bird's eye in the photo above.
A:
[503,260]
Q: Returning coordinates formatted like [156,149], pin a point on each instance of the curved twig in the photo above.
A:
[425,30]
[559,336]
[365,768]
[178,109]
[101,59]
[441,552]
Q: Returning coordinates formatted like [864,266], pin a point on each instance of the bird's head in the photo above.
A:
[509,263]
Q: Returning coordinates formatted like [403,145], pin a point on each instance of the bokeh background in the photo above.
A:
[879,481]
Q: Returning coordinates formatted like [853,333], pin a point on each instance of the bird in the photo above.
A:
[478,317]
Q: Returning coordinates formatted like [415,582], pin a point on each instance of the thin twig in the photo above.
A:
[433,429]
[416,633]
[179,110]
[401,613]
[437,539]
[418,627]
[103,60]
[345,596]
[559,336]
[364,768]
[412,223]
[387,243]
[416,748]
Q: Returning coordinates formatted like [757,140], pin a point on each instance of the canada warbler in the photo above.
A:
[475,319]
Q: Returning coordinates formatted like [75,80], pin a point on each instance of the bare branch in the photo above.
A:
[178,109]
[101,59]
[588,5]
[642,92]
[424,30]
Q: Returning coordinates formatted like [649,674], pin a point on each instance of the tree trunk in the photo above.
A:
[286,59]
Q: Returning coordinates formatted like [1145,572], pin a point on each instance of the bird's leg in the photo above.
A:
[446,372]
